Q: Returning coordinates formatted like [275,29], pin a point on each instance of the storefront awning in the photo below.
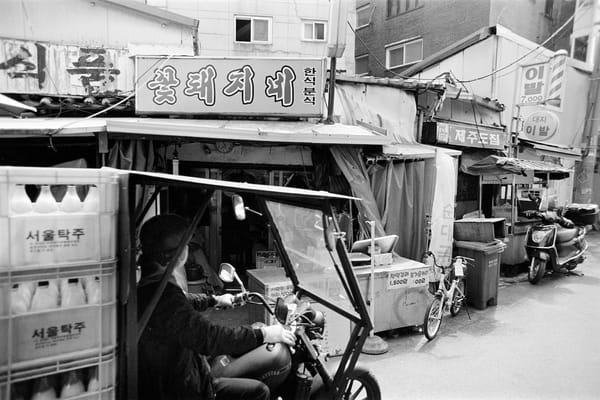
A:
[254,131]
[166,128]
[552,149]
[36,127]
[495,165]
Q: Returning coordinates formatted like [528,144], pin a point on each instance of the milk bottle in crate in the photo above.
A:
[46,230]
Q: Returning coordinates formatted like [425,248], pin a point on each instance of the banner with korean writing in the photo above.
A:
[470,136]
[230,86]
[56,333]
[532,84]
[45,240]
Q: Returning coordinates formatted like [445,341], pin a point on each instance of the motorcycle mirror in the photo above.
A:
[281,310]
[227,273]
[238,207]
[329,233]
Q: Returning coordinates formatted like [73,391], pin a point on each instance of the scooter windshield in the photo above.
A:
[301,232]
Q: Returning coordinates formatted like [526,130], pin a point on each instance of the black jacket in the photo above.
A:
[172,349]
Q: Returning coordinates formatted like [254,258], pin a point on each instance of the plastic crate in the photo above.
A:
[21,383]
[34,238]
[30,337]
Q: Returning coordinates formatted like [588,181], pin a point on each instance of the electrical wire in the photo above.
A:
[571,18]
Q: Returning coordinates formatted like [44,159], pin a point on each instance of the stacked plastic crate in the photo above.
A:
[57,283]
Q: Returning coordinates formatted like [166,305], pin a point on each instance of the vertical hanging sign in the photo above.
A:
[532,86]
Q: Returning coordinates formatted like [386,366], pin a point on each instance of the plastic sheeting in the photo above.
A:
[350,162]
[399,190]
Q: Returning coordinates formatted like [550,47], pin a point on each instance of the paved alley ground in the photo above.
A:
[540,342]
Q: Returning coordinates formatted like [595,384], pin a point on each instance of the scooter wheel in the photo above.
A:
[537,269]
[362,385]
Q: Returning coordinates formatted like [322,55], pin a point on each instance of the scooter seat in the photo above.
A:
[566,234]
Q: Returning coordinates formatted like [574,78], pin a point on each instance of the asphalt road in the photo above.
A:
[540,342]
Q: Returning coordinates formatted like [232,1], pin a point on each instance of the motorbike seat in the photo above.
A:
[566,234]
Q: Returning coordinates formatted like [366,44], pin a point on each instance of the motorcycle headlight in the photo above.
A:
[538,236]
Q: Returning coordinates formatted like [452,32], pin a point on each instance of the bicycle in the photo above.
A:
[451,286]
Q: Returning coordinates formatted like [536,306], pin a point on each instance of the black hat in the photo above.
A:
[160,236]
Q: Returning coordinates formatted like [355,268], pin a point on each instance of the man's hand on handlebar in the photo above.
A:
[224,301]
[278,334]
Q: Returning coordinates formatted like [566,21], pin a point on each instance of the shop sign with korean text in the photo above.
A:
[470,136]
[230,86]
[541,125]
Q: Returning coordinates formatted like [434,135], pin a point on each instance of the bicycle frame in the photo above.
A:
[447,293]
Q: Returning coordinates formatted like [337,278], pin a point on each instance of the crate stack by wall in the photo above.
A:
[57,283]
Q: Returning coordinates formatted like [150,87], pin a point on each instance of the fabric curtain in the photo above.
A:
[399,191]
[350,162]
[137,155]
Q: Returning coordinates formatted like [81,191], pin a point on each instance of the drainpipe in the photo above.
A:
[195,42]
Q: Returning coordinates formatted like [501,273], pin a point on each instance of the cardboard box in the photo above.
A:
[479,229]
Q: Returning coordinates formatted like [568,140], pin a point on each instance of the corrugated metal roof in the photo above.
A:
[495,165]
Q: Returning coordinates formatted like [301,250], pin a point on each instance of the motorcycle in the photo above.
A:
[295,372]
[558,241]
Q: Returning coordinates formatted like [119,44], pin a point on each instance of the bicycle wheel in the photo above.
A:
[458,298]
[433,318]
[362,385]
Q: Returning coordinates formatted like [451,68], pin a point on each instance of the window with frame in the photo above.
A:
[363,16]
[397,7]
[361,65]
[313,30]
[580,48]
[404,53]
[252,29]
[549,8]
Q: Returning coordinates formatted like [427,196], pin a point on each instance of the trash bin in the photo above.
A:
[483,274]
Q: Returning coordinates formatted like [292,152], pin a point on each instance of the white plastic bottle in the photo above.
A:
[92,200]
[20,203]
[45,296]
[70,202]
[91,284]
[43,389]
[45,202]
[21,296]
[71,293]
[93,383]
[72,385]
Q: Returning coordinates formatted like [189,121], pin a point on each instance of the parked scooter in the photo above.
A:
[292,372]
[558,242]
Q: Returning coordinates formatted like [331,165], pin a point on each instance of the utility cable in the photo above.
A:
[571,18]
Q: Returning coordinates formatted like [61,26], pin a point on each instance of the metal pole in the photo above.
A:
[331,93]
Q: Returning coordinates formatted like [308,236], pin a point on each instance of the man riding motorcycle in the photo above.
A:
[173,348]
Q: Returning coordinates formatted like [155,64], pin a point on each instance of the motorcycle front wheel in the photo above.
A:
[431,323]
[362,385]
[537,269]
[458,298]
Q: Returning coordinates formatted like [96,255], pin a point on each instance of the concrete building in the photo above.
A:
[47,40]
[392,35]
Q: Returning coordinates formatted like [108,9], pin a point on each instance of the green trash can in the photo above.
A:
[482,274]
